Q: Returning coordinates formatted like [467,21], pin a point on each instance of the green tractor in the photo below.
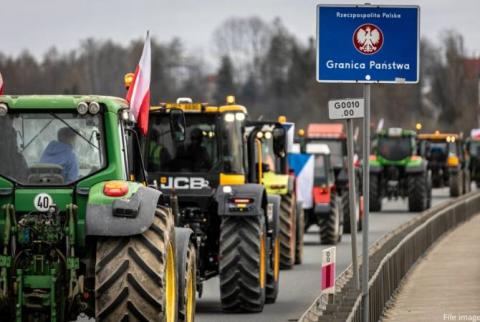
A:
[266,141]
[79,230]
[204,163]
[396,171]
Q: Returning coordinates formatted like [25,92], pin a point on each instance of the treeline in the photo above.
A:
[268,69]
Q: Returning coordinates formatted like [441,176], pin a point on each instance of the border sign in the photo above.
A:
[368,44]
[347,108]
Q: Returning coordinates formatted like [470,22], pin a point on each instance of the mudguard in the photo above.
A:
[255,193]
[375,166]
[126,216]
[273,213]
[417,167]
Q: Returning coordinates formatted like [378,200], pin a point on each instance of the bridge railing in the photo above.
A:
[390,260]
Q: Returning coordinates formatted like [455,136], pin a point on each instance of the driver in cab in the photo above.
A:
[61,152]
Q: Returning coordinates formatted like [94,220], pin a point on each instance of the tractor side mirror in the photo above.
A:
[177,125]
[279,141]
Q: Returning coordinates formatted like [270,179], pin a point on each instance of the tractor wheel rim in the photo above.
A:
[171,285]
[276,258]
[262,261]
[190,307]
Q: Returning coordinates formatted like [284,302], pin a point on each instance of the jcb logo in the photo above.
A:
[183,183]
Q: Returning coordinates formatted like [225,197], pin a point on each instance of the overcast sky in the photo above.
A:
[37,25]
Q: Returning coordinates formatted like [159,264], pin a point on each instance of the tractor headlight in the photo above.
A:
[229,117]
[240,116]
[82,108]
[3,109]
[268,135]
[94,108]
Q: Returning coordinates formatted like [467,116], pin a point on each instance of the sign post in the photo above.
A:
[328,270]
[367,44]
[348,109]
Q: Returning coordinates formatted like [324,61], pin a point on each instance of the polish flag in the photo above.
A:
[2,86]
[139,92]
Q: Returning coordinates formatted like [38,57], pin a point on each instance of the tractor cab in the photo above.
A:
[208,151]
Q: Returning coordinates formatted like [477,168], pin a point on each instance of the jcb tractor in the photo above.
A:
[446,160]
[80,232]
[333,135]
[396,171]
[264,142]
[205,164]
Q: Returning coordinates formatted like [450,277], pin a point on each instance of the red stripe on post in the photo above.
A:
[328,276]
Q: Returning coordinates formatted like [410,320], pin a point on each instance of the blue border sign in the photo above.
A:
[368,44]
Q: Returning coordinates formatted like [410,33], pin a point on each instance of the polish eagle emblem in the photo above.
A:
[368,39]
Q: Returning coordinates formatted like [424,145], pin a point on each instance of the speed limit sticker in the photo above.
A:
[347,108]
[43,202]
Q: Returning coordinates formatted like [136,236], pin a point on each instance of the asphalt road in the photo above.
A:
[300,286]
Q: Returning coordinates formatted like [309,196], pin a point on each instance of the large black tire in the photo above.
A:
[273,254]
[418,192]
[375,199]
[331,225]
[346,213]
[300,233]
[467,183]
[242,264]
[273,272]
[287,231]
[456,184]
[186,270]
[430,190]
[135,275]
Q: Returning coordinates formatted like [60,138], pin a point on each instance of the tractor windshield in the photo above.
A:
[202,151]
[51,148]
[434,150]
[475,148]
[337,151]
[320,170]
[395,148]
[268,154]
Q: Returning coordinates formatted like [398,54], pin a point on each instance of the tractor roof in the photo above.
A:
[439,136]
[317,148]
[41,102]
[396,132]
[325,130]
[198,108]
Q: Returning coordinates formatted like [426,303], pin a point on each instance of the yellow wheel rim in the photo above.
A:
[171,286]
[190,307]
[262,261]
[276,259]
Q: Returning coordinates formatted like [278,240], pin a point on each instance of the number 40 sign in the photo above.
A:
[347,108]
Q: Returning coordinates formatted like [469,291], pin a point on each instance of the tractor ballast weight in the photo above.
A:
[78,230]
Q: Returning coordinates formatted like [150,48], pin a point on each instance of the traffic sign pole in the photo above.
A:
[353,207]
[366,199]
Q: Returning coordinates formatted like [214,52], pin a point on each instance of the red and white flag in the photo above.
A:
[2,86]
[138,94]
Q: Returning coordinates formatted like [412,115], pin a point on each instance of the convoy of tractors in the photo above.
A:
[129,227]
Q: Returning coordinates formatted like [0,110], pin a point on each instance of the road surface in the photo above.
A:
[300,286]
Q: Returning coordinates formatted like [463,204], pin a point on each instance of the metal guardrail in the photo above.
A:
[390,260]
